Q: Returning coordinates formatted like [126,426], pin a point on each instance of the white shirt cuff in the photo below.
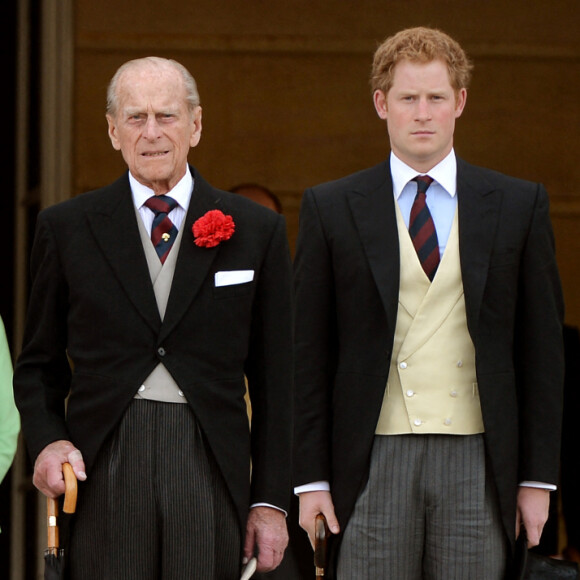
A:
[325,486]
[314,486]
[270,506]
[539,485]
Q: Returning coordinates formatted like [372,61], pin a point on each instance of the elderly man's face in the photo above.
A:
[153,126]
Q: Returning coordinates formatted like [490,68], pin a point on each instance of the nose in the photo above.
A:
[423,110]
[151,130]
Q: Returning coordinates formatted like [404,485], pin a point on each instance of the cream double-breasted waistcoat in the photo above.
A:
[432,385]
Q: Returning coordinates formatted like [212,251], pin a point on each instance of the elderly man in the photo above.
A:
[151,300]
[429,342]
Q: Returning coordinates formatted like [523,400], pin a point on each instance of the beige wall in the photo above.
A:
[286,101]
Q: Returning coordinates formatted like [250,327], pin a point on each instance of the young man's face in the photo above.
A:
[420,110]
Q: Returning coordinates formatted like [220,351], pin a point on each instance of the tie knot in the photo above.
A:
[423,182]
[160,204]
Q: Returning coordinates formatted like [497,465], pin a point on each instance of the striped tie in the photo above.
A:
[163,231]
[422,228]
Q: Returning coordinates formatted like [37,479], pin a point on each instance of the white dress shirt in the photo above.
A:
[441,194]
[181,193]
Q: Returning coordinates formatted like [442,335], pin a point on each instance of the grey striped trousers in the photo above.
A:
[427,513]
[155,505]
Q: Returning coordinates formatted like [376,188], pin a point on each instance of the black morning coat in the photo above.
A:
[92,304]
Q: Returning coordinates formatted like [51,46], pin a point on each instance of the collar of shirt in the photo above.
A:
[444,173]
[180,193]
[441,195]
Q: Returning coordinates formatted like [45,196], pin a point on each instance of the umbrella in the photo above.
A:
[533,566]
[54,561]
[320,537]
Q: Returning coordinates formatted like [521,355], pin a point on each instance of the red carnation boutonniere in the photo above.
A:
[213,228]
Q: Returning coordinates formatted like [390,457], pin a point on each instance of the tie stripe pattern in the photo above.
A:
[422,228]
[163,230]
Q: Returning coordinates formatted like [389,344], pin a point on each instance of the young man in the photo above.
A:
[429,342]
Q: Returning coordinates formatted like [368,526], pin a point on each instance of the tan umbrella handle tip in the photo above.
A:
[70,489]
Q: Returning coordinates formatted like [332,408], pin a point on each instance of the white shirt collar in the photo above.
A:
[444,173]
[181,193]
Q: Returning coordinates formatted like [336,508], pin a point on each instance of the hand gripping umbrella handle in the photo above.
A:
[70,502]
[320,538]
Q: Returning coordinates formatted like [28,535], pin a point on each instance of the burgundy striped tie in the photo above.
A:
[163,231]
[422,228]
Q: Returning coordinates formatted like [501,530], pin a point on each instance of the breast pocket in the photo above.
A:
[233,291]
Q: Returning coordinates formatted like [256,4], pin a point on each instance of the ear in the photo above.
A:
[196,132]
[113,132]
[460,100]
[380,101]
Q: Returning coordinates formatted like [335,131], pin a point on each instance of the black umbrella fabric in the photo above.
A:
[54,557]
[532,566]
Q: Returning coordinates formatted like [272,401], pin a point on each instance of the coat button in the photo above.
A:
[161,351]
[410,393]
[417,422]
[403,365]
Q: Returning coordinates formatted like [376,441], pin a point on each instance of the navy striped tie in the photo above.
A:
[163,231]
[422,228]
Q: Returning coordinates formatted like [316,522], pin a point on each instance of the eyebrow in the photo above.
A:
[140,111]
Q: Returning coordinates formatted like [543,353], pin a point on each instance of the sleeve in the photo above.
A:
[316,347]
[42,373]
[539,350]
[269,370]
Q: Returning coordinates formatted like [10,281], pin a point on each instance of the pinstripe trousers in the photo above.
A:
[428,512]
[155,505]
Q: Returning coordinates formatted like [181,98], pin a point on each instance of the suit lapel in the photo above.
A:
[478,207]
[114,225]
[193,263]
[373,210]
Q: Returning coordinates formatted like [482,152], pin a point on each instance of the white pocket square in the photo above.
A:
[231,277]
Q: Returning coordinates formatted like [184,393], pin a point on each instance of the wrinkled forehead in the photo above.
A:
[152,87]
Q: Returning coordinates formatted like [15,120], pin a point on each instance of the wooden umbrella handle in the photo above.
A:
[70,502]
[320,538]
[70,489]
[51,525]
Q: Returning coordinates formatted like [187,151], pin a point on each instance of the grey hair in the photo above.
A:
[191,93]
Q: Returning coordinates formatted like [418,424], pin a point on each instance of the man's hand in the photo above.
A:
[48,477]
[532,512]
[266,537]
[313,503]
